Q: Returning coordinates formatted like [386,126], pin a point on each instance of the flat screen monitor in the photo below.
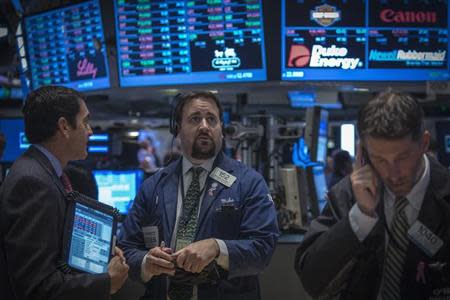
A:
[317,188]
[188,42]
[316,133]
[118,188]
[66,47]
[16,141]
[365,40]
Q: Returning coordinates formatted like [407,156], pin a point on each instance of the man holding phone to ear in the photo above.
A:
[385,232]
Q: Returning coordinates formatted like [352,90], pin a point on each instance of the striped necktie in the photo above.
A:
[396,252]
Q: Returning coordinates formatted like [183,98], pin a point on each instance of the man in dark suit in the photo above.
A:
[385,232]
[206,214]
[32,205]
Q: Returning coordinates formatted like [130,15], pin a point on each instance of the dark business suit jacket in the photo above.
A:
[333,264]
[32,213]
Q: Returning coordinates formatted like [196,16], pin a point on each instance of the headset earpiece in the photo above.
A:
[173,124]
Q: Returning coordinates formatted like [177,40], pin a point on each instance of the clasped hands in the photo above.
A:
[193,258]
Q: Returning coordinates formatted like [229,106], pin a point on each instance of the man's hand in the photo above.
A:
[196,256]
[117,270]
[365,184]
[159,261]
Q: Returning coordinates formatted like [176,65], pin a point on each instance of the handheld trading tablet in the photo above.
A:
[90,234]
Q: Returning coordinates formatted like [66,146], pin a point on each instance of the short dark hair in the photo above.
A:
[43,108]
[341,160]
[185,99]
[391,115]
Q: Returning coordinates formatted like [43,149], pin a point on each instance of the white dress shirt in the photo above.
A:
[223,258]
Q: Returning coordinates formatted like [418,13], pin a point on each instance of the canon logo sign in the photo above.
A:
[392,16]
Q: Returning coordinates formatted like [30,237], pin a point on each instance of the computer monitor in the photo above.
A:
[364,40]
[16,141]
[118,188]
[316,133]
[188,42]
[66,46]
[317,188]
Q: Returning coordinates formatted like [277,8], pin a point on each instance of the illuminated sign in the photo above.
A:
[401,55]
[392,16]
[325,15]
[323,57]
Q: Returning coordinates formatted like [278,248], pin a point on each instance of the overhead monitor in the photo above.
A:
[16,141]
[66,47]
[118,188]
[365,40]
[187,42]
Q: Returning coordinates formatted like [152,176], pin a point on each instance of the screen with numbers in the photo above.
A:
[365,40]
[163,42]
[66,47]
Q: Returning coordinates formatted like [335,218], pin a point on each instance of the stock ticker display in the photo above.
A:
[365,40]
[172,42]
[66,47]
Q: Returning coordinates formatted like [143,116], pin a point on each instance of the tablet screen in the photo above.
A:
[91,240]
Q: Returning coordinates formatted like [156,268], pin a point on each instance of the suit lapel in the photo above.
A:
[211,193]
[169,197]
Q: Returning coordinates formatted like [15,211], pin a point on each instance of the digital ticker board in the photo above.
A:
[365,40]
[163,42]
[66,47]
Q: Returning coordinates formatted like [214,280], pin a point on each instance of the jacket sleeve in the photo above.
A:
[131,238]
[32,244]
[258,229]
[326,256]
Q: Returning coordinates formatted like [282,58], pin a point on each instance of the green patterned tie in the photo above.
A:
[187,227]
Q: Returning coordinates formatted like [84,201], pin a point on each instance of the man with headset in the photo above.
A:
[206,221]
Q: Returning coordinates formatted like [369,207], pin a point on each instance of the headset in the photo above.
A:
[177,100]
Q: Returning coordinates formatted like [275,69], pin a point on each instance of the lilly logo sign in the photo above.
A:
[325,15]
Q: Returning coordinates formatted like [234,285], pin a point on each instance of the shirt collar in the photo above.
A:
[416,195]
[207,165]
[52,158]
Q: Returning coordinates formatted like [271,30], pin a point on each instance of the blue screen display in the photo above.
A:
[365,40]
[90,245]
[118,188]
[16,142]
[322,138]
[66,47]
[185,42]
[320,184]
[99,143]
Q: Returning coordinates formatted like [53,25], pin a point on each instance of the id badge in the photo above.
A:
[151,236]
